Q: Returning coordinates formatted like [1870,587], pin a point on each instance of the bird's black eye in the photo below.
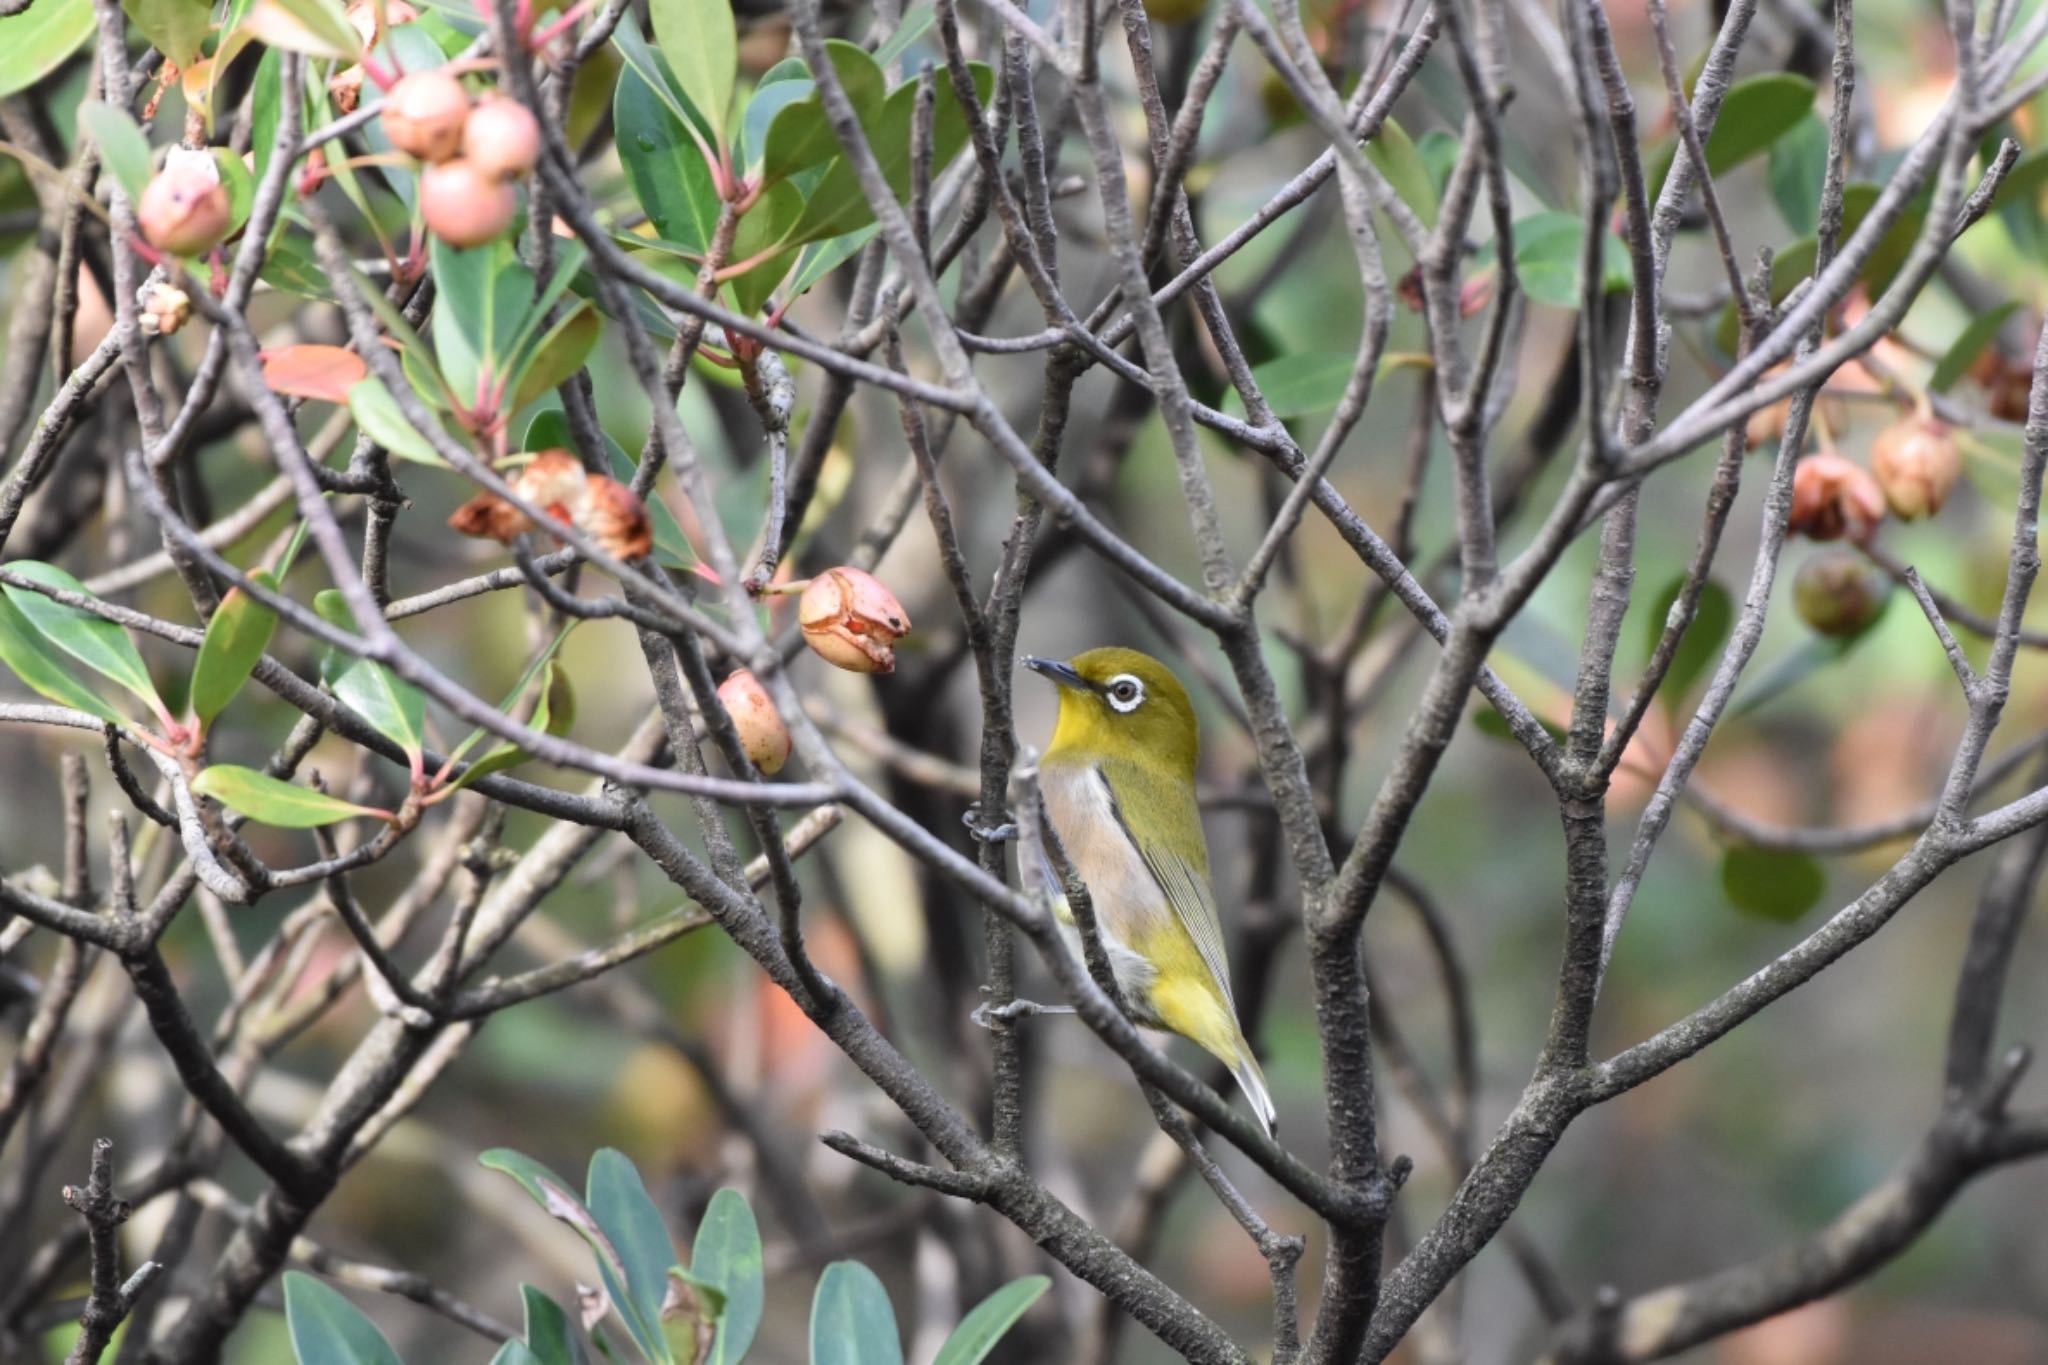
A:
[1125,693]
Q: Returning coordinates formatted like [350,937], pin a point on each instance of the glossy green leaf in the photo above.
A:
[1962,353]
[240,185]
[633,1225]
[851,1320]
[767,223]
[235,640]
[1547,258]
[269,801]
[560,353]
[1700,647]
[1399,160]
[45,668]
[727,1254]
[653,69]
[35,42]
[982,1328]
[516,1352]
[289,266]
[551,1335]
[176,28]
[1756,112]
[664,167]
[123,148]
[1797,166]
[836,204]
[801,136]
[1772,884]
[485,294]
[326,1329]
[702,48]
[393,707]
[378,417]
[94,641]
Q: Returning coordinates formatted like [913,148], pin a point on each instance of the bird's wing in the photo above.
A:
[1171,844]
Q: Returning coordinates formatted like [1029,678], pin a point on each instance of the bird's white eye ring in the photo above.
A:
[1125,693]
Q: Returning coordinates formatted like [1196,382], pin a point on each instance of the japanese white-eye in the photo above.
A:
[1119,787]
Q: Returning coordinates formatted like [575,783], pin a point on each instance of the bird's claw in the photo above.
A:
[1010,1011]
[987,834]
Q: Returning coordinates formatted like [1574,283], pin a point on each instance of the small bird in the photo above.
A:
[1119,787]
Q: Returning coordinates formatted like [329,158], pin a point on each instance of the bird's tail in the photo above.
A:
[1253,1082]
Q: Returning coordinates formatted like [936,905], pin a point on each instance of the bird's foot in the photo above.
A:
[987,834]
[1011,1011]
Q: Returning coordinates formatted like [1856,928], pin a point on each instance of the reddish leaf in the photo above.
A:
[326,373]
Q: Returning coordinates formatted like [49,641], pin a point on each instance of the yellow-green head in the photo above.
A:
[1118,703]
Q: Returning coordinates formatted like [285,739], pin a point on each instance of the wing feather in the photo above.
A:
[1183,874]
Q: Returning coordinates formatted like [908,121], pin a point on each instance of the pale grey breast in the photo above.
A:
[1127,899]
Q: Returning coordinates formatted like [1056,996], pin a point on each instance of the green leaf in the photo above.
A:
[289,266]
[914,24]
[702,47]
[981,1329]
[240,185]
[559,354]
[767,223]
[1963,351]
[1702,643]
[516,1353]
[378,417]
[326,1329]
[94,641]
[176,28]
[633,1225]
[1773,884]
[485,293]
[269,801]
[801,135]
[550,1334]
[553,715]
[44,667]
[836,205]
[1399,160]
[235,640]
[392,707]
[1439,151]
[822,258]
[727,1254]
[664,167]
[35,42]
[559,1201]
[1757,112]
[1797,166]
[851,1320]
[327,31]
[1547,251]
[122,146]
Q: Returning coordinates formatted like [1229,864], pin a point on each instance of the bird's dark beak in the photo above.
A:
[1061,673]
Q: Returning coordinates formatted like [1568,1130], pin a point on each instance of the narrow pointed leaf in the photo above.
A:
[559,1201]
[559,354]
[1964,350]
[981,1329]
[235,640]
[266,799]
[550,1334]
[45,668]
[94,641]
